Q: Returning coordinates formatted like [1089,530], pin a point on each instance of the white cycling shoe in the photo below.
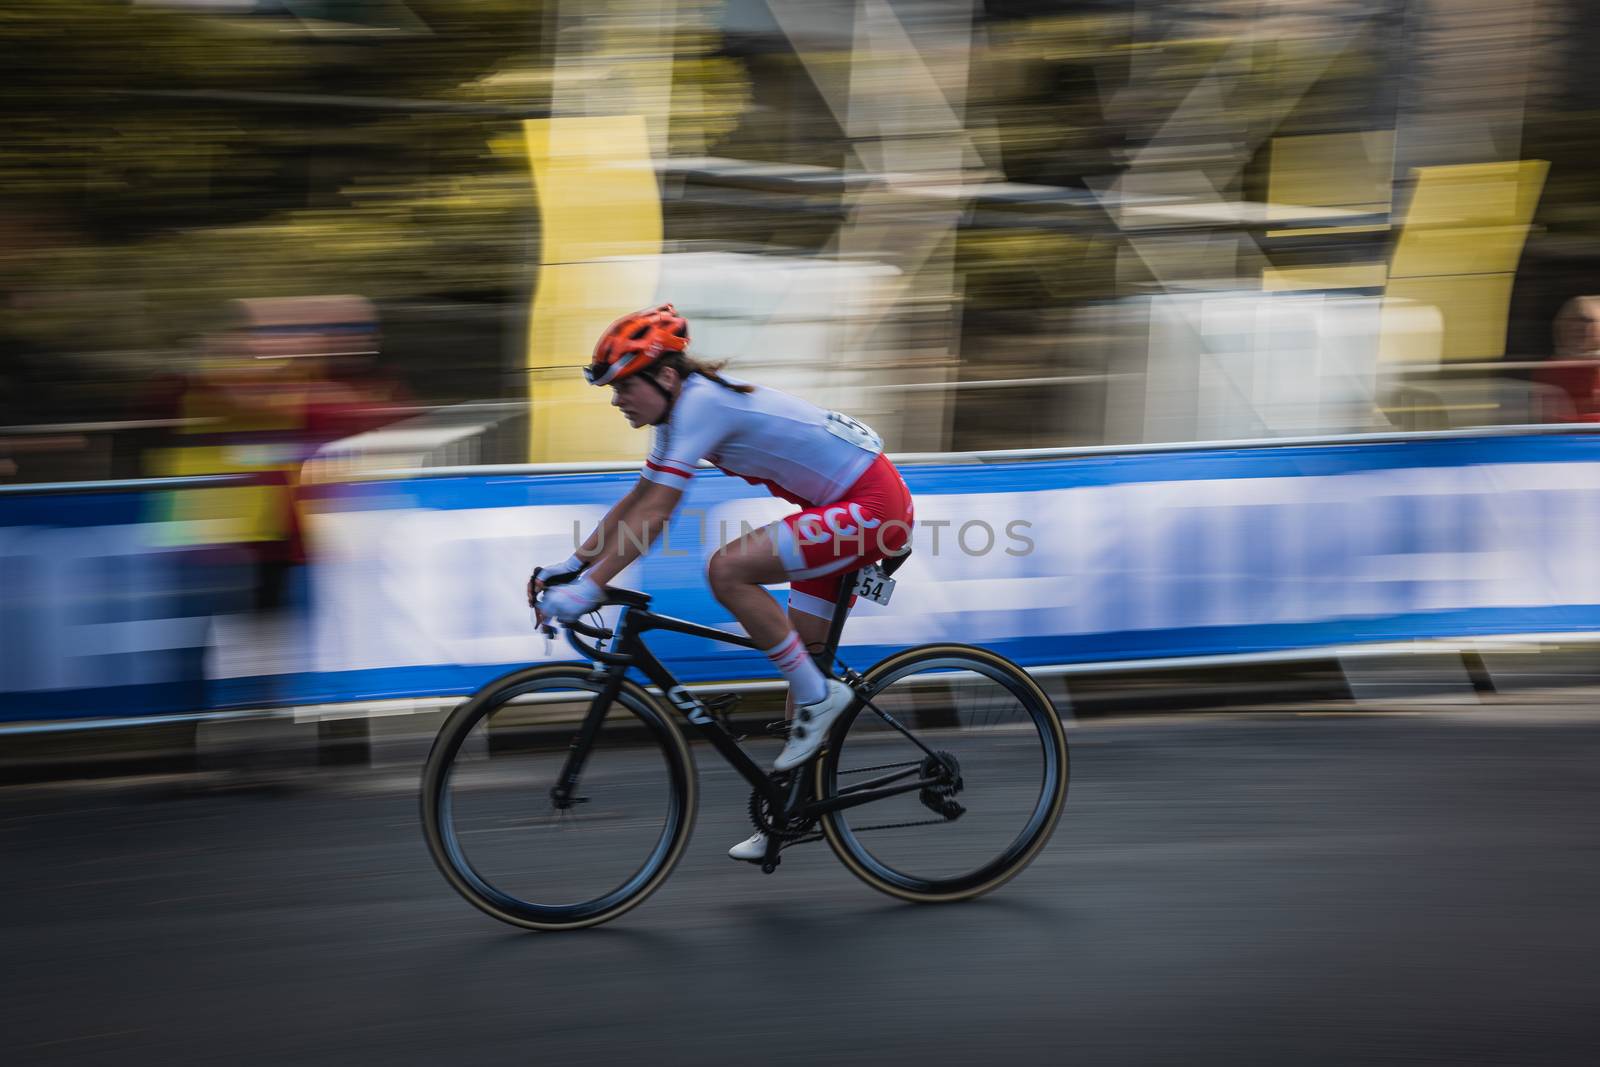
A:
[811,725]
[752,849]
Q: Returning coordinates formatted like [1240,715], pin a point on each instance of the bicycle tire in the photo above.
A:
[878,681]
[444,840]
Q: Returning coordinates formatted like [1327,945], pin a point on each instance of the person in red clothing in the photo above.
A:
[1577,358]
[285,376]
[854,507]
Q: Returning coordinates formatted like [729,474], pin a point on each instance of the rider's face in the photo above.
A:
[639,401]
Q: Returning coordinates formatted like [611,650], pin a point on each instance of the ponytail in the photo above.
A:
[686,365]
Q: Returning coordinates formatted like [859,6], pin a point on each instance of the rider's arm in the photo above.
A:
[694,432]
[652,505]
[605,530]
[589,550]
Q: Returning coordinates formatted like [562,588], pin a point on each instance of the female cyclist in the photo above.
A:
[855,508]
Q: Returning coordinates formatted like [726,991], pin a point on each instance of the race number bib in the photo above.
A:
[857,433]
[874,584]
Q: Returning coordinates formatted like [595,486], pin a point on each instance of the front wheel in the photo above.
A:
[516,851]
[997,773]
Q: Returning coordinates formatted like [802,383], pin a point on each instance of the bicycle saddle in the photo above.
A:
[890,564]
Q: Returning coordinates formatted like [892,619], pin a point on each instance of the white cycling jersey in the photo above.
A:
[797,450]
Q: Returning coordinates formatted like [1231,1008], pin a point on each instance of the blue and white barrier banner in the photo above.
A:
[108,610]
[416,588]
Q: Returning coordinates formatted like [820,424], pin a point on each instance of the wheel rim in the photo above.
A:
[658,822]
[931,862]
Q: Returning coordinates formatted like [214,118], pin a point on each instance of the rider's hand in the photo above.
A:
[571,601]
[555,574]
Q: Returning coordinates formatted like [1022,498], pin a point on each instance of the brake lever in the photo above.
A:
[545,626]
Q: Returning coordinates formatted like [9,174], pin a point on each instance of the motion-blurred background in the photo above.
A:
[988,225]
[1272,325]
[256,256]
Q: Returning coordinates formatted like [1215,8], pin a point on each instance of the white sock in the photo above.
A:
[805,680]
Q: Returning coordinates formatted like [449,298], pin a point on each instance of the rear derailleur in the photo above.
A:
[940,797]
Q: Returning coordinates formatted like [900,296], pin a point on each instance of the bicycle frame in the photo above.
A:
[793,799]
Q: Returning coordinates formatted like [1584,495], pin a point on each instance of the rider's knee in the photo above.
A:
[722,571]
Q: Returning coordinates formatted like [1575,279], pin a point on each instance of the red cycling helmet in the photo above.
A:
[635,342]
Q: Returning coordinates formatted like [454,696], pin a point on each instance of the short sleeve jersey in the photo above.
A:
[797,450]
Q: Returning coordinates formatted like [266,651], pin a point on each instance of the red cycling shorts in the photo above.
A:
[820,545]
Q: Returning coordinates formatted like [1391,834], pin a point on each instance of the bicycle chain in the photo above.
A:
[865,829]
[899,825]
[883,767]
[803,836]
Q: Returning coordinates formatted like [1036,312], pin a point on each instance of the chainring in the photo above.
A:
[761,818]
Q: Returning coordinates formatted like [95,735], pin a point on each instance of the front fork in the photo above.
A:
[564,794]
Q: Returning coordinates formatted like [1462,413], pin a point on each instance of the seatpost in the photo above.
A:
[841,608]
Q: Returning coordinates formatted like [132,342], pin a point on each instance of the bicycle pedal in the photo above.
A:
[778,728]
[768,868]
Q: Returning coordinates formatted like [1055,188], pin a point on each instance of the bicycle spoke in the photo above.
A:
[907,734]
[993,756]
[506,843]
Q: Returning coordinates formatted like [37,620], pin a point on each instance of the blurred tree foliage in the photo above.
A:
[1570,206]
[1037,97]
[158,161]
[1069,100]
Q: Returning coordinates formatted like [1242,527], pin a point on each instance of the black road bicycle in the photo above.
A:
[942,780]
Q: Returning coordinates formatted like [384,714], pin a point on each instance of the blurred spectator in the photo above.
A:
[1575,370]
[286,376]
[345,391]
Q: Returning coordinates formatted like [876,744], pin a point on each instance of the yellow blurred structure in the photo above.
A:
[1351,171]
[600,240]
[1339,170]
[1318,279]
[1459,247]
[232,514]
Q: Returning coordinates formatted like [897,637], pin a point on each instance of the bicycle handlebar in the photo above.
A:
[594,633]
[575,629]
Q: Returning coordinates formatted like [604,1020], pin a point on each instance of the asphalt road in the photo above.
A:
[1273,889]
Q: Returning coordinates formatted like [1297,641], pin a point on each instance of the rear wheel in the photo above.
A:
[505,843]
[999,767]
